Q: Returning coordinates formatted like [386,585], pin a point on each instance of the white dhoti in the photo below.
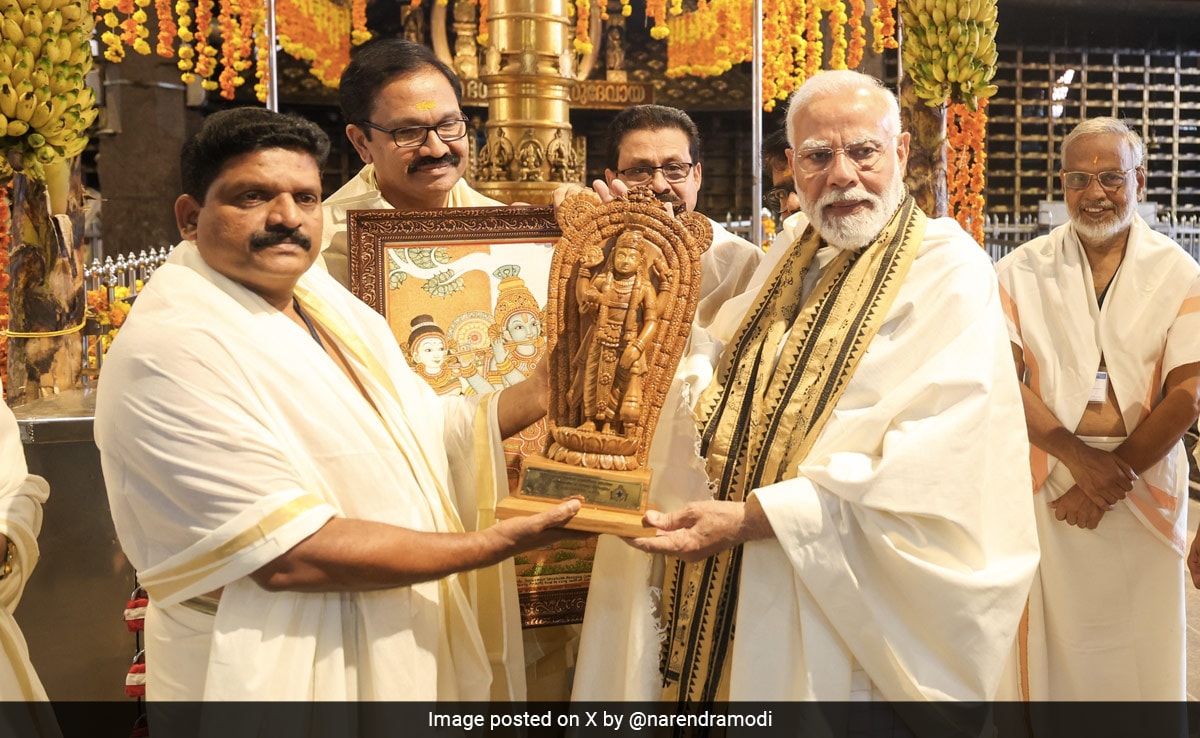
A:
[1115,630]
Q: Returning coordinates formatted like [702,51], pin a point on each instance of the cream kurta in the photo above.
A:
[21,498]
[362,193]
[902,548]
[1120,636]
[227,436]
[728,267]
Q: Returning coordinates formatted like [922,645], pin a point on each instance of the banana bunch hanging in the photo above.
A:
[949,49]
[45,107]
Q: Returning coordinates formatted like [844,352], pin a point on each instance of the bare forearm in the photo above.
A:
[1165,424]
[521,405]
[359,555]
[1045,430]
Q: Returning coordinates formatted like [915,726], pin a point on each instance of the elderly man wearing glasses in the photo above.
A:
[403,113]
[1103,315]
[848,514]
[660,146]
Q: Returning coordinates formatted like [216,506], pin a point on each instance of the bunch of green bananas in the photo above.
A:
[45,107]
[949,49]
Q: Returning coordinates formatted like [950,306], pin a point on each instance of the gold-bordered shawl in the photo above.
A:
[759,418]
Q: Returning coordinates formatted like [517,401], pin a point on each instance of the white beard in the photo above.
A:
[853,232]
[1111,225]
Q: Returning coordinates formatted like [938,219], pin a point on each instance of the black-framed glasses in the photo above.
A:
[864,156]
[675,171]
[1110,181]
[776,198]
[410,137]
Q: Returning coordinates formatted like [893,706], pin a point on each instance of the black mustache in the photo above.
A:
[276,236]
[670,198]
[447,158]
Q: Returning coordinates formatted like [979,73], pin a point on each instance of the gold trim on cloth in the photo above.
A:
[199,567]
[203,604]
[759,418]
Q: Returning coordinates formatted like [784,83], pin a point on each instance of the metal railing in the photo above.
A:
[1003,233]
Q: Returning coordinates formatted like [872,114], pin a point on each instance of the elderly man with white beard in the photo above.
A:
[856,515]
[1103,316]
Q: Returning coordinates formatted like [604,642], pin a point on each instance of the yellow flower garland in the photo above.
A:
[711,39]
[318,31]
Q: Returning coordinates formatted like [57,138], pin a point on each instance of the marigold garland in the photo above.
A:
[657,10]
[167,30]
[583,15]
[262,54]
[109,317]
[837,31]
[858,34]
[711,39]
[206,54]
[883,24]
[317,31]
[5,314]
[965,166]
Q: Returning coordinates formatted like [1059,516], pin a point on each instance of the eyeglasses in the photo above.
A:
[864,156]
[776,198]
[1108,180]
[675,171]
[410,137]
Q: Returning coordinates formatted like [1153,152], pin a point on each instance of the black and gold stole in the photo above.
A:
[763,411]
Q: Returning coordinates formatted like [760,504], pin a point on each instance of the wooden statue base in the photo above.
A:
[613,501]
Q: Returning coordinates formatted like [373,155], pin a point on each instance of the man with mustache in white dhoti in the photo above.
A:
[1104,315]
[289,491]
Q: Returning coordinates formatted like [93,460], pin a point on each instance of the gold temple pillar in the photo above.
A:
[529,70]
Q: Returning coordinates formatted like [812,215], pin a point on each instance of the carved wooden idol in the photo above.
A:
[624,284]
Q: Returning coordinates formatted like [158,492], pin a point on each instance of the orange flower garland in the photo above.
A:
[315,31]
[206,61]
[318,31]
[230,47]
[883,23]
[262,52]
[858,34]
[965,165]
[583,15]
[5,240]
[167,30]
[813,36]
[711,39]
[657,9]
[359,34]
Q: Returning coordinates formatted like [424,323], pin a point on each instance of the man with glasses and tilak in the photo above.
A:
[660,146]
[1103,317]
[844,518]
[403,114]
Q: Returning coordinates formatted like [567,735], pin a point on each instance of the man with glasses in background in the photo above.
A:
[784,205]
[1103,316]
[781,199]
[867,534]
[660,146]
[403,114]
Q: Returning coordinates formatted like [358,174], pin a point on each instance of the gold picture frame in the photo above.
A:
[458,287]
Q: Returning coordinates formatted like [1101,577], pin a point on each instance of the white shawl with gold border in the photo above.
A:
[227,436]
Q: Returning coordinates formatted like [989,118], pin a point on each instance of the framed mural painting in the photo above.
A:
[464,291]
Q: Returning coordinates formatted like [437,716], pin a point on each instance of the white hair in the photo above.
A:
[840,82]
[1105,124]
